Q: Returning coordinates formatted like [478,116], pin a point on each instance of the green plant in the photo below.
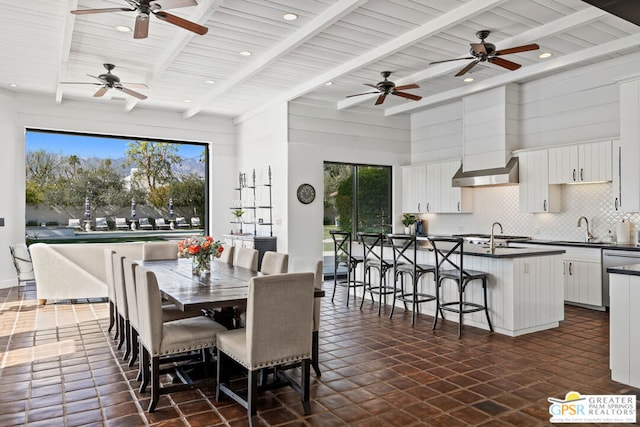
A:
[408,219]
[238,213]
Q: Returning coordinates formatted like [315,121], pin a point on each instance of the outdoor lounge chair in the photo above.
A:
[74,223]
[181,222]
[161,224]
[144,224]
[101,224]
[195,222]
[121,224]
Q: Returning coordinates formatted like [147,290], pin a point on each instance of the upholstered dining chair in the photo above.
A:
[156,251]
[247,258]
[226,257]
[111,292]
[301,265]
[268,340]
[22,263]
[124,337]
[158,338]
[274,263]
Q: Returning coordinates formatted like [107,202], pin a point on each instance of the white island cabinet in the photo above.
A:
[624,324]
[525,288]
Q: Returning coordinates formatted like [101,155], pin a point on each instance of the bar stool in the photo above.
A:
[405,263]
[343,256]
[444,249]
[372,243]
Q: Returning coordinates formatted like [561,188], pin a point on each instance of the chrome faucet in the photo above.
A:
[587,236]
[492,241]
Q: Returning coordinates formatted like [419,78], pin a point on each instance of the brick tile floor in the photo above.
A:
[59,367]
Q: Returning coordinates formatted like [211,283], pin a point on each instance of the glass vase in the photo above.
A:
[201,265]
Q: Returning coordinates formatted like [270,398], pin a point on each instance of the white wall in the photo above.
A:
[28,111]
[319,134]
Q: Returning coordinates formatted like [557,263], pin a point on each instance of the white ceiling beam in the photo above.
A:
[432,27]
[529,72]
[318,24]
[200,15]
[558,26]
[65,46]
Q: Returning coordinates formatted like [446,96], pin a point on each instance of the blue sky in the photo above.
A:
[88,146]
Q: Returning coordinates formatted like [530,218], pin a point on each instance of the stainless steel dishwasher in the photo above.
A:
[615,258]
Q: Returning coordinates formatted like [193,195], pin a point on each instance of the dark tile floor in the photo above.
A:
[59,367]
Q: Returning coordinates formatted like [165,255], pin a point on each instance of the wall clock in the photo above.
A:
[306,193]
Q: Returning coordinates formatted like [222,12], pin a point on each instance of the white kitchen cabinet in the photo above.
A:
[441,196]
[629,184]
[624,329]
[536,194]
[589,162]
[616,179]
[414,181]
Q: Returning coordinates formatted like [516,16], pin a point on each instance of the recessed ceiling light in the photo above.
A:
[13,85]
[210,82]
[289,16]
[469,79]
[329,83]
[545,55]
[245,53]
[123,29]
[186,100]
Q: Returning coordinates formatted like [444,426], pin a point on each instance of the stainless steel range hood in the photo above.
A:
[507,175]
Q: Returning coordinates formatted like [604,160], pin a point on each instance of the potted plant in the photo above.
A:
[238,214]
[409,222]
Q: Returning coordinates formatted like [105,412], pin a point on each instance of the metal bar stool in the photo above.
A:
[343,256]
[373,260]
[405,250]
[445,248]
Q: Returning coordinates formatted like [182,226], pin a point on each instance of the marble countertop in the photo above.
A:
[500,251]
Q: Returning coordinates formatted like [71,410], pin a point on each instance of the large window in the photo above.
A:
[70,175]
[357,198]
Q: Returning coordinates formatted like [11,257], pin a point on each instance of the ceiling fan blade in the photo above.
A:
[479,48]
[101,91]
[517,49]
[380,99]
[172,4]
[466,69]
[504,63]
[132,93]
[449,60]
[407,95]
[138,85]
[371,85]
[411,86]
[108,9]
[187,25]
[141,29]
[358,94]
[97,78]
[80,83]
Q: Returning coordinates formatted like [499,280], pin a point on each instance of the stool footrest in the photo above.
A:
[454,307]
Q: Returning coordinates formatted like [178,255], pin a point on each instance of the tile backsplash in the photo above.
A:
[491,204]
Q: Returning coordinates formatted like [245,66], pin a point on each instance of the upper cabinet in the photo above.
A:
[536,194]
[590,162]
[427,188]
[629,150]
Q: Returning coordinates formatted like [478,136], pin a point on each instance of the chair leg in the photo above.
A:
[122,332]
[305,386]
[486,306]
[134,346]
[139,377]
[144,364]
[221,375]
[127,340]
[116,336]
[112,317]
[155,383]
[438,308]
[252,393]
[335,280]
[314,353]
[461,287]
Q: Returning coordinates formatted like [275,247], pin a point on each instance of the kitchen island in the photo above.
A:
[525,287]
[624,324]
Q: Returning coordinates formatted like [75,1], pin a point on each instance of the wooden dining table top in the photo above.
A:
[225,286]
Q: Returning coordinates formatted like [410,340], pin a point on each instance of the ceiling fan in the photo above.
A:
[387,87]
[486,52]
[111,81]
[145,8]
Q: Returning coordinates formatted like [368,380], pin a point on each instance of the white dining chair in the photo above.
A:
[247,258]
[315,266]
[156,251]
[274,263]
[226,257]
[268,340]
[158,338]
